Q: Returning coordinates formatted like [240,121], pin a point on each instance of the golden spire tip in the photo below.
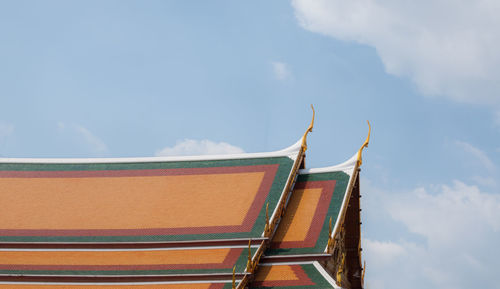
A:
[309,129]
[365,144]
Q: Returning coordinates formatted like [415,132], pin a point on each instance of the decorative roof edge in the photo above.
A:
[341,216]
[355,162]
[325,275]
[290,152]
[346,167]
[272,223]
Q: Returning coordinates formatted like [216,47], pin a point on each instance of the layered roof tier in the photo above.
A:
[121,262]
[143,200]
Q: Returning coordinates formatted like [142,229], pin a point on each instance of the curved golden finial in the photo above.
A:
[309,129]
[365,144]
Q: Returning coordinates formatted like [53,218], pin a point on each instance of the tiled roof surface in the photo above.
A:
[155,201]
[125,262]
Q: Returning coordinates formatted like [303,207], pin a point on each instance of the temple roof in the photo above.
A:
[215,222]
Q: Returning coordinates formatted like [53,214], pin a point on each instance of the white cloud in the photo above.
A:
[6,129]
[281,70]
[478,154]
[445,47]
[199,147]
[386,252]
[450,213]
[460,229]
[83,134]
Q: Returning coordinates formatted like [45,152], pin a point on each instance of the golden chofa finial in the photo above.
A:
[365,144]
[309,129]
[249,261]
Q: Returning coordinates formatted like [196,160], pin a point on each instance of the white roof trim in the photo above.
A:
[325,275]
[291,152]
[125,250]
[346,167]
[286,263]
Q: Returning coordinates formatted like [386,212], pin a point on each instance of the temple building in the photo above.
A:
[252,220]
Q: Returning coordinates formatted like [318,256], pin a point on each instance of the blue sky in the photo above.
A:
[142,78]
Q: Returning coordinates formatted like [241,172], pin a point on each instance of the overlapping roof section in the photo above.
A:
[141,220]
[321,225]
[314,224]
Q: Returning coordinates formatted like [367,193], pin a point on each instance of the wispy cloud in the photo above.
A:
[478,154]
[281,70]
[92,142]
[199,147]
[444,48]
[445,214]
